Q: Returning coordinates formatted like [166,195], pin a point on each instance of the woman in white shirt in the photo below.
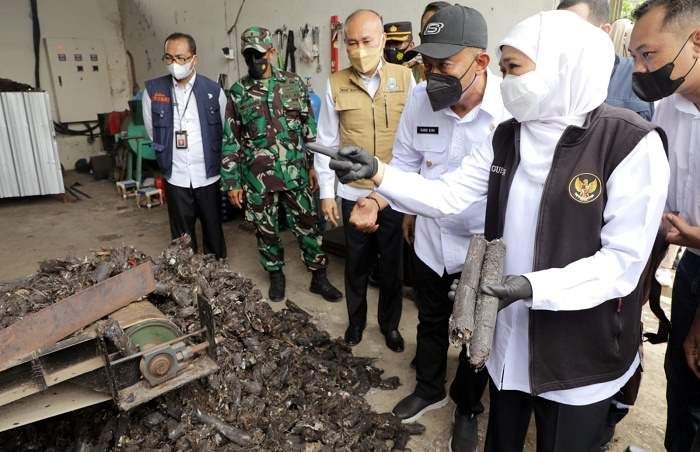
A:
[584,185]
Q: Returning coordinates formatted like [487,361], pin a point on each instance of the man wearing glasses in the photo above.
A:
[183,113]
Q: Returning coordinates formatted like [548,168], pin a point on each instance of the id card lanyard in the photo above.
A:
[181,135]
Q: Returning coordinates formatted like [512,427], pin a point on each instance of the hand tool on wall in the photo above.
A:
[290,62]
[315,35]
[306,48]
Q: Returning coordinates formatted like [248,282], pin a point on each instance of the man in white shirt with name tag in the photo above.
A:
[183,114]
[665,44]
[445,118]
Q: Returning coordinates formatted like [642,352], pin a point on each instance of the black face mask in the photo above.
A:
[446,90]
[394,55]
[257,64]
[652,86]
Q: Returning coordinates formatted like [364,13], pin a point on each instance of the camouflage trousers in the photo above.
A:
[300,212]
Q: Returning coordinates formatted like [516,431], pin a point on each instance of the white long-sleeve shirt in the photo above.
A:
[189,169]
[680,119]
[329,135]
[434,143]
[636,195]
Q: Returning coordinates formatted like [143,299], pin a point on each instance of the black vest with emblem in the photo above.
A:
[570,349]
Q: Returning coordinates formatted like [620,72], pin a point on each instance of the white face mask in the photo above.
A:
[180,71]
[523,95]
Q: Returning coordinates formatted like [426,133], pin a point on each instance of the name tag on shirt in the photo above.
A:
[423,130]
[181,139]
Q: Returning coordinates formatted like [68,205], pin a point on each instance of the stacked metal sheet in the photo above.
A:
[29,163]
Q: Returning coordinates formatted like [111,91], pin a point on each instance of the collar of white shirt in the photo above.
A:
[685,106]
[189,84]
[491,103]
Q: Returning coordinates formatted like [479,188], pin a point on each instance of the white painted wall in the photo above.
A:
[64,18]
[141,25]
[147,22]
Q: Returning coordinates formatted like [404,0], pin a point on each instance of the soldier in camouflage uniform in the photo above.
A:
[263,161]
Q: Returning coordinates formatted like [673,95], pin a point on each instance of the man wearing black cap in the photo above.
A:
[445,118]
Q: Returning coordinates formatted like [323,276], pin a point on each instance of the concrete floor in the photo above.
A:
[38,228]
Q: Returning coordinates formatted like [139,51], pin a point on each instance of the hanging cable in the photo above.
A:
[135,88]
[88,131]
[36,34]
[235,40]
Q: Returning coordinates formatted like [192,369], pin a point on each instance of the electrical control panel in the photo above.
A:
[78,69]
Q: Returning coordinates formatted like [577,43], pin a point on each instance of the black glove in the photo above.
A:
[453,290]
[513,288]
[354,163]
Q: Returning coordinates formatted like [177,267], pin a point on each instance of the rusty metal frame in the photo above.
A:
[109,371]
[57,321]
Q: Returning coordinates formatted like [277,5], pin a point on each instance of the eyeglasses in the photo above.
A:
[179,59]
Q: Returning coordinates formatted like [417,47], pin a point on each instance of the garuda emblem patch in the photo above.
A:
[585,188]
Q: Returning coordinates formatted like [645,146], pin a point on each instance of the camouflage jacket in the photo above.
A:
[267,121]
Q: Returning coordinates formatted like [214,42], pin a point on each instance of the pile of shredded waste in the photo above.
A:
[283,384]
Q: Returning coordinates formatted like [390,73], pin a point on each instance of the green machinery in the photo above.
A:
[103,343]
[137,142]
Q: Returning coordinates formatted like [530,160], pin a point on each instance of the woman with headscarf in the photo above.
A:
[620,35]
[576,189]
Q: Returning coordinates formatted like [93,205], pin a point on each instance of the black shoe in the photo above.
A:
[323,287]
[276,291]
[465,436]
[413,407]
[394,341]
[353,335]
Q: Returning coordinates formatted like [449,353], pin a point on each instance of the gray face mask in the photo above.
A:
[446,90]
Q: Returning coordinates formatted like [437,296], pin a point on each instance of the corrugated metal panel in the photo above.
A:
[41,129]
[9,188]
[28,146]
[21,144]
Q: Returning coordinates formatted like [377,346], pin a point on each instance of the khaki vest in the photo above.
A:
[366,122]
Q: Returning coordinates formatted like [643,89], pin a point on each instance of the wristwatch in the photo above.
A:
[375,200]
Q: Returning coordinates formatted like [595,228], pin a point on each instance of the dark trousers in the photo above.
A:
[361,253]
[683,387]
[186,205]
[434,311]
[560,428]
[409,265]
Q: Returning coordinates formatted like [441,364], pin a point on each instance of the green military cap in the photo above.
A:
[398,31]
[257,38]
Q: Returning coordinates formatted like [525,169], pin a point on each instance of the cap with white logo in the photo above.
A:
[450,30]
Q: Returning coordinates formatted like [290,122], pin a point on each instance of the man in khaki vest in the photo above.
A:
[362,107]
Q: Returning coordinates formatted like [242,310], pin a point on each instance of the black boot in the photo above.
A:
[323,287]
[465,437]
[276,292]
